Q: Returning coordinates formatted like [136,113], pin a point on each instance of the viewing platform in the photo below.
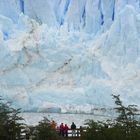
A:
[75,136]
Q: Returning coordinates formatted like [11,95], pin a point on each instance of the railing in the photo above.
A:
[76,133]
[71,134]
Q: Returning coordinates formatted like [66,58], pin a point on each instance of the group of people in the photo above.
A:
[63,128]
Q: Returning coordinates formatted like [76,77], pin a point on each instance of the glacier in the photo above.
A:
[69,55]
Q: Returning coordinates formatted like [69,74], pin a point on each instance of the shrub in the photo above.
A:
[45,131]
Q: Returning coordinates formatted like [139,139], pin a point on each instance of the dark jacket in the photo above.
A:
[73,126]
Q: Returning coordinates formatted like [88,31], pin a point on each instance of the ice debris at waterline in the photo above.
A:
[69,55]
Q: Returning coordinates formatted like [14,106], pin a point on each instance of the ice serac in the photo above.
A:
[69,55]
[107,7]
[60,10]
[43,11]
[10,8]
[93,19]
[125,42]
[74,14]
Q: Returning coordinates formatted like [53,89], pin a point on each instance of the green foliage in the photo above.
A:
[10,125]
[125,127]
[45,131]
[126,116]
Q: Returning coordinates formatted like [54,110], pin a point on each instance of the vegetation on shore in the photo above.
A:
[126,126]
[10,121]
[45,131]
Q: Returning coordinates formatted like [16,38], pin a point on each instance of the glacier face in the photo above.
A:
[69,54]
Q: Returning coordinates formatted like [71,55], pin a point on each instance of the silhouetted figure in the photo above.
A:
[53,124]
[73,127]
[61,128]
[66,128]
[27,130]
[81,130]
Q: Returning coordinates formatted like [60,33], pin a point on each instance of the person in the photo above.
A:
[27,131]
[66,128]
[61,128]
[73,127]
[53,124]
[81,130]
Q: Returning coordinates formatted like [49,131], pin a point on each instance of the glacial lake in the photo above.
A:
[79,119]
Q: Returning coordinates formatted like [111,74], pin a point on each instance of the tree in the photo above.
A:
[45,131]
[10,122]
[127,115]
[126,126]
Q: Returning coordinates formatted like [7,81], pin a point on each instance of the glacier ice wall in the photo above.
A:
[69,54]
